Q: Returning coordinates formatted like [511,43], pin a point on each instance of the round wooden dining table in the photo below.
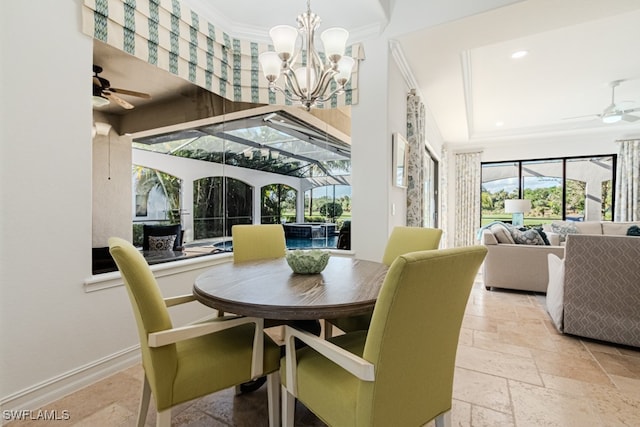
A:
[271,290]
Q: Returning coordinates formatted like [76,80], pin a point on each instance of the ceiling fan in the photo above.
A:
[614,113]
[103,93]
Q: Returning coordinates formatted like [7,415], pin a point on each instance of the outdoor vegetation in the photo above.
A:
[546,203]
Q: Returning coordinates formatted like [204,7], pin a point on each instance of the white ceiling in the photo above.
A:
[458,52]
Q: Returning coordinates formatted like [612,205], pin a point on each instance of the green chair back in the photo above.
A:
[258,241]
[151,316]
[410,239]
[413,336]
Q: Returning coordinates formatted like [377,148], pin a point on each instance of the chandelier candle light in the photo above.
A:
[309,83]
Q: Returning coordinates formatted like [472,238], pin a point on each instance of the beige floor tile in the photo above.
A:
[481,389]
[629,386]
[615,407]
[491,341]
[480,323]
[618,364]
[535,406]
[498,364]
[576,368]
[112,415]
[564,384]
[485,417]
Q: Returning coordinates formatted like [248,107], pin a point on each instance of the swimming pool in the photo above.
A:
[293,243]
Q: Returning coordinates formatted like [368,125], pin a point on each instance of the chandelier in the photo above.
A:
[307,84]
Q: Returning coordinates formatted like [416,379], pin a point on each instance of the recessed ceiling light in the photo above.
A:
[519,54]
[498,124]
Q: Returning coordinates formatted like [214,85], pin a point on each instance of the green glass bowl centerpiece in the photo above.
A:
[307,262]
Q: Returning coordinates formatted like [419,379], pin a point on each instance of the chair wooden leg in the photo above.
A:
[327,329]
[144,402]
[444,419]
[288,408]
[273,398]
[163,418]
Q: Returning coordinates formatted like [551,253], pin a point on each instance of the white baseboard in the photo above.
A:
[39,395]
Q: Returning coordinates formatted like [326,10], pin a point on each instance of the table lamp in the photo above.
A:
[517,207]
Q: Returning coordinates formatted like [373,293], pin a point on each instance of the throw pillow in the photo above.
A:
[542,234]
[161,243]
[634,230]
[502,233]
[526,237]
[563,228]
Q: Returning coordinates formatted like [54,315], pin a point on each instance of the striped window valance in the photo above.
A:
[168,34]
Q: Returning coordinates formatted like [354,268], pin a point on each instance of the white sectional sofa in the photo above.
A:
[510,265]
[558,230]
[519,266]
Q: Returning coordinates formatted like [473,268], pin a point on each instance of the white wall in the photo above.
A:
[54,337]
[111,190]
[371,154]
[398,90]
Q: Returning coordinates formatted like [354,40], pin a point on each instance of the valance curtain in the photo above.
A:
[169,35]
[628,181]
[415,161]
[467,207]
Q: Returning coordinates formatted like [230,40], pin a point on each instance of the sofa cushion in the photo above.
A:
[555,290]
[502,233]
[562,228]
[588,227]
[616,228]
[526,237]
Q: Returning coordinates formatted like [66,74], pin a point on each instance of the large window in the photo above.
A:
[278,204]
[575,189]
[218,204]
[331,203]
[240,155]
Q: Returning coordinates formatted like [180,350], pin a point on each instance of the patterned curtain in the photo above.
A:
[628,181]
[444,194]
[467,207]
[415,161]
[169,35]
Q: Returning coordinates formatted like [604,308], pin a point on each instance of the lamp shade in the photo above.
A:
[284,40]
[334,41]
[517,205]
[301,76]
[345,66]
[271,64]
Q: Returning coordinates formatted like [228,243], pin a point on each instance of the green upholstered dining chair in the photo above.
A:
[402,240]
[184,363]
[400,371]
[258,241]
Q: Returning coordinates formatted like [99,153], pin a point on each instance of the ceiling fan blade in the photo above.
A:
[130,93]
[583,117]
[629,118]
[124,104]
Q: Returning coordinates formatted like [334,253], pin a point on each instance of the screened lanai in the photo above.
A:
[266,165]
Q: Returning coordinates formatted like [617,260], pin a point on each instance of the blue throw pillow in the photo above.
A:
[634,230]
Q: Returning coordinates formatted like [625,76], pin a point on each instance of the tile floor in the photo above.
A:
[513,369]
